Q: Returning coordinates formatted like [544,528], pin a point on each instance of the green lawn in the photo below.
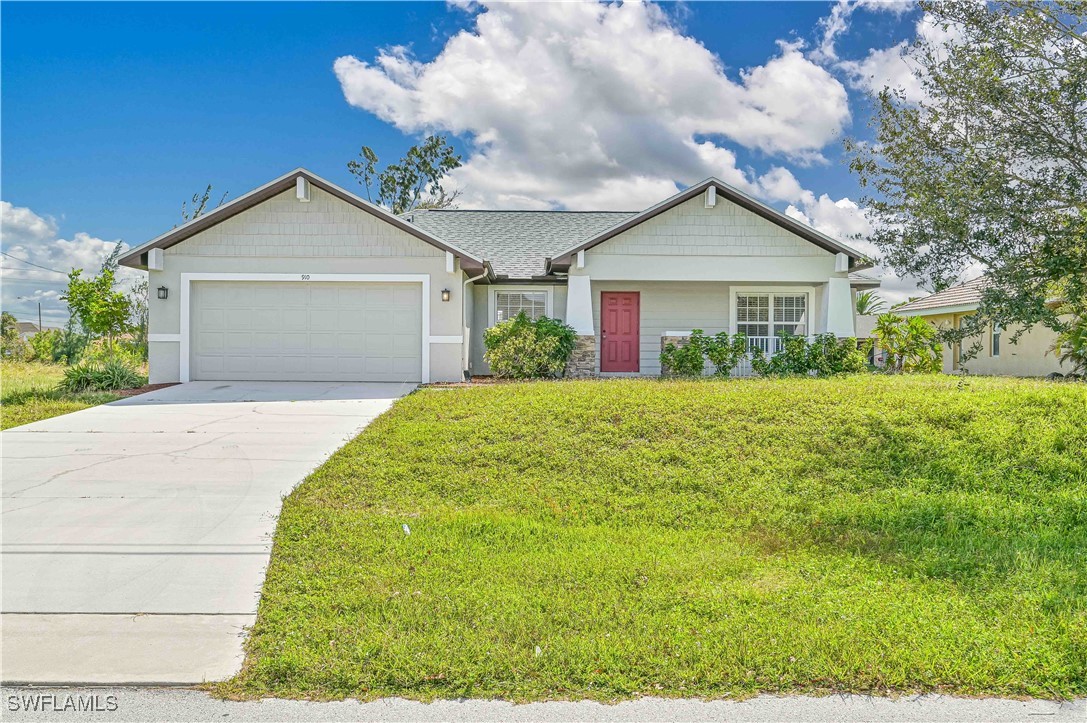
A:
[28,392]
[612,539]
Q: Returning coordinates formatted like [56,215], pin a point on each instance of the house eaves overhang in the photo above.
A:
[137,257]
[936,310]
[857,261]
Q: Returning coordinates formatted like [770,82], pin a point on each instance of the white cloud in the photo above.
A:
[593,105]
[894,67]
[838,22]
[41,260]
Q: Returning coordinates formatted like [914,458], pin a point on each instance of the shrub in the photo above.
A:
[829,356]
[43,344]
[685,360]
[725,353]
[909,345]
[524,349]
[90,376]
[101,352]
[68,346]
[826,355]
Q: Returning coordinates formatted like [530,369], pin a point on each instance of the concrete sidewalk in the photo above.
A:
[186,705]
[136,534]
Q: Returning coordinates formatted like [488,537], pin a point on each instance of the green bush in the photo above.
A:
[826,355]
[829,356]
[689,359]
[909,345]
[92,376]
[525,349]
[725,353]
[685,360]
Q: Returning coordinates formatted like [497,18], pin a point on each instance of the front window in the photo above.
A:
[998,331]
[753,314]
[508,304]
[791,314]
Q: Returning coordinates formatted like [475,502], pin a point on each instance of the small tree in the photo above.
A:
[414,182]
[100,310]
[909,345]
[12,345]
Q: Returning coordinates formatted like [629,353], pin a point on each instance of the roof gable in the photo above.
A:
[136,259]
[562,260]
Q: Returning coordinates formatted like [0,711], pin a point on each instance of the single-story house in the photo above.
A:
[303,280]
[1028,357]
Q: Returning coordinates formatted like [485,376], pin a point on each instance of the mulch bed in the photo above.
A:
[143,390]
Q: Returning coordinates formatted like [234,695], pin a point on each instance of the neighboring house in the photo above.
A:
[26,329]
[997,356]
[303,280]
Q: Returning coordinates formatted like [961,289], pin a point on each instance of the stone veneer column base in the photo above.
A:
[582,362]
[679,341]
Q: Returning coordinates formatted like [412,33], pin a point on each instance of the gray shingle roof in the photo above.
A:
[961,295]
[515,242]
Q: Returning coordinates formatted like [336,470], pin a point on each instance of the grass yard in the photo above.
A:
[28,392]
[612,539]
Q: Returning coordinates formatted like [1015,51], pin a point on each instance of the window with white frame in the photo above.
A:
[753,314]
[768,314]
[998,331]
[508,304]
[791,314]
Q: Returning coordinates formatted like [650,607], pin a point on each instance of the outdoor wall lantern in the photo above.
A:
[445,294]
[163,292]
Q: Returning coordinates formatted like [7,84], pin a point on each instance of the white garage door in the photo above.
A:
[305,331]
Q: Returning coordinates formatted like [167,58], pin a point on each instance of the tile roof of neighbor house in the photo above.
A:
[516,242]
[26,326]
[967,294]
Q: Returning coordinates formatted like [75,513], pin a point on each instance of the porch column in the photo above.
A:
[579,314]
[579,305]
[839,301]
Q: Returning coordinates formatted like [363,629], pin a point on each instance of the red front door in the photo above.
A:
[619,330]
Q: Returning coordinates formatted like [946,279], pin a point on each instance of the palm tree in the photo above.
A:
[868,304]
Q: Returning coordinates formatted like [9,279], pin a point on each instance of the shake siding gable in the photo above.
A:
[323,227]
[691,229]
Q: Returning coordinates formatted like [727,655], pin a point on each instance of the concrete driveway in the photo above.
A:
[136,534]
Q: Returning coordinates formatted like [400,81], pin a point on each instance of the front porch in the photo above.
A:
[672,309]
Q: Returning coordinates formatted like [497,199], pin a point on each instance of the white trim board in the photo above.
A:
[186,291]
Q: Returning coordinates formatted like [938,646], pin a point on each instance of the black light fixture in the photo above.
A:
[163,292]
[445,294]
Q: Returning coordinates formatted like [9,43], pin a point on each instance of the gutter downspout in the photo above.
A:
[465,330]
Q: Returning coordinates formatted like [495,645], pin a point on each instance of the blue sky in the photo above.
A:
[113,114]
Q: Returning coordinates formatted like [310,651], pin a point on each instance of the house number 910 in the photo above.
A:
[305,277]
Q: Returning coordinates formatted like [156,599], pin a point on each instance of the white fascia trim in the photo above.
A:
[188,278]
[492,306]
[937,310]
[164,337]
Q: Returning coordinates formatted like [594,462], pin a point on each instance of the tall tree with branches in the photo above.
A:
[415,181]
[989,168]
